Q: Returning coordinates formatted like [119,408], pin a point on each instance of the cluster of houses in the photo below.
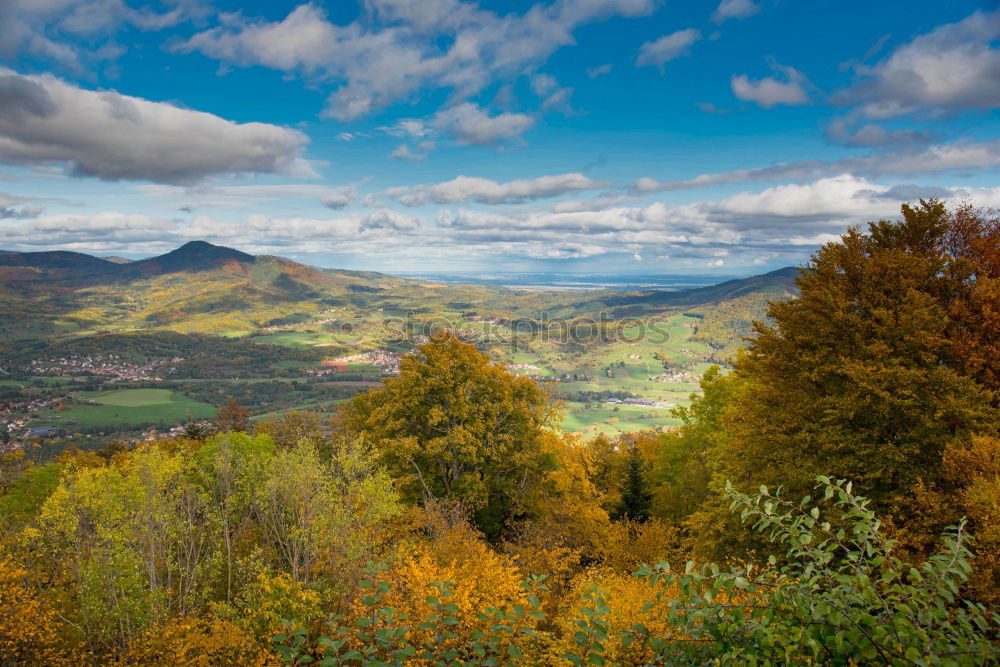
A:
[177,431]
[15,417]
[112,366]
[523,367]
[384,359]
[675,376]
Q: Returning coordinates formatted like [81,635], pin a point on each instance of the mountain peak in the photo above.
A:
[204,247]
[192,256]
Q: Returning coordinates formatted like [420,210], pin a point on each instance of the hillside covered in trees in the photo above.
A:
[831,500]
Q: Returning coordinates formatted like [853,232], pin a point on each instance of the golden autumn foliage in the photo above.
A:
[31,632]
[200,642]
[627,598]
[452,550]
[629,544]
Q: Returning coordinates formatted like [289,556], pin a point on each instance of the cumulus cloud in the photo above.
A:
[340,197]
[469,123]
[118,137]
[786,87]
[485,191]
[734,9]
[926,160]
[955,66]
[667,48]
[400,48]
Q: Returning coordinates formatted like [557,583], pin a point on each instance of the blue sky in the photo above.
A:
[622,136]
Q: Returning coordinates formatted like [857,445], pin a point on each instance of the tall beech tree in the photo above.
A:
[457,425]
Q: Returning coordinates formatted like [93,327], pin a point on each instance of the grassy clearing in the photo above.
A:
[606,419]
[128,406]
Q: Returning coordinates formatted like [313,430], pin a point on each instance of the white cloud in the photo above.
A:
[926,160]
[408,127]
[734,9]
[787,87]
[543,84]
[667,48]
[470,124]
[955,66]
[118,137]
[400,49]
[303,39]
[485,191]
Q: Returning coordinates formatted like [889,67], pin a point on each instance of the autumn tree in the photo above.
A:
[292,427]
[233,417]
[861,375]
[457,425]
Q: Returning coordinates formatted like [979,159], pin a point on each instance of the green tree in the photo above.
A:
[457,425]
[229,468]
[12,466]
[683,470]
[323,517]
[292,427]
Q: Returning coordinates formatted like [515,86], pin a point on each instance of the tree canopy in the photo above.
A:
[456,424]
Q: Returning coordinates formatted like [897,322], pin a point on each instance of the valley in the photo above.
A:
[176,337]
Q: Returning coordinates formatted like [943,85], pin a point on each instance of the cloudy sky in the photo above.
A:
[625,136]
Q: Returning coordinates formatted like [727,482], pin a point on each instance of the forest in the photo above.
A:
[834,498]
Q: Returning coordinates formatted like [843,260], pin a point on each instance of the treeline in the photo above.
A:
[594,396]
[834,498]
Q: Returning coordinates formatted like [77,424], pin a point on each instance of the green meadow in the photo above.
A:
[128,406]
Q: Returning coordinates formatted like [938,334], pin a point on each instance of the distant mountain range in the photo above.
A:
[201,287]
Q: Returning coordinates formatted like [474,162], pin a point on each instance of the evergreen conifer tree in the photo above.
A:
[636,496]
